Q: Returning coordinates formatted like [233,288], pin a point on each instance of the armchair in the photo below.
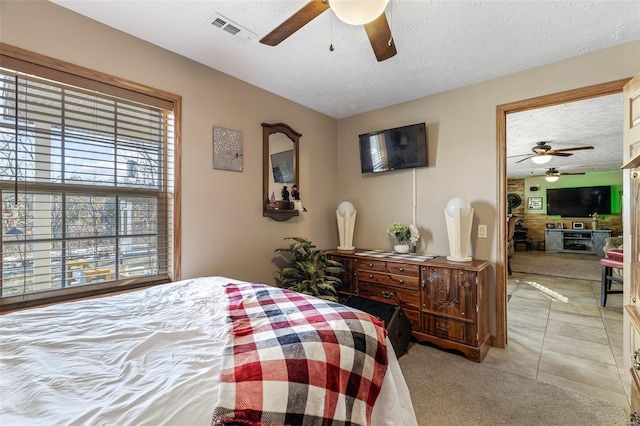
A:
[611,243]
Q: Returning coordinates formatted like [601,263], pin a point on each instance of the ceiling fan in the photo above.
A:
[552,174]
[377,26]
[542,152]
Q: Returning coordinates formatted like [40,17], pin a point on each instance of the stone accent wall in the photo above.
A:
[516,186]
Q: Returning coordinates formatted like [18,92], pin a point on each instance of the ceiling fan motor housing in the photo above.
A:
[541,148]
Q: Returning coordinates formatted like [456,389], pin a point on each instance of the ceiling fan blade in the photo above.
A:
[380,38]
[298,20]
[578,148]
[559,154]
[525,158]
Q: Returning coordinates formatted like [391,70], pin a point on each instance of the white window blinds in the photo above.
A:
[86,180]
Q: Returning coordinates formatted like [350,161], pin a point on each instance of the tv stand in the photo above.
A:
[584,241]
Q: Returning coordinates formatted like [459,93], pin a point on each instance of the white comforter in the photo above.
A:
[147,357]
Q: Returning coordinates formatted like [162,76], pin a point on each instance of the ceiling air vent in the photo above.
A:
[230,28]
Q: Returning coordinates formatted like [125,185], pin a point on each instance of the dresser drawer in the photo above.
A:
[404,281]
[387,294]
[372,277]
[403,269]
[372,265]
[446,328]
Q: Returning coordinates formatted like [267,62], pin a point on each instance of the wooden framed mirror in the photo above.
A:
[281,167]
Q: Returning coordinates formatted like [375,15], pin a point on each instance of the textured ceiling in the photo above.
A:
[441,45]
[593,122]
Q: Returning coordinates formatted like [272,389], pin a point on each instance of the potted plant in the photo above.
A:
[404,235]
[309,270]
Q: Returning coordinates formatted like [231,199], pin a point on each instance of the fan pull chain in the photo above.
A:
[390,42]
[331,33]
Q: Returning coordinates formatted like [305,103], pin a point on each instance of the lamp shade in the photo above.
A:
[541,159]
[346,216]
[345,207]
[459,216]
[458,203]
[358,12]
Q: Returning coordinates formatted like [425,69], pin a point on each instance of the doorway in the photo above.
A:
[501,134]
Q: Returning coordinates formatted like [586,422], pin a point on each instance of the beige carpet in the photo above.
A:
[568,265]
[447,389]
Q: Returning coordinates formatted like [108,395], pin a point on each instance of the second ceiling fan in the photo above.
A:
[552,174]
[378,30]
[552,171]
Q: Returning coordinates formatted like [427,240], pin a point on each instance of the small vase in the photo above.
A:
[594,225]
[401,248]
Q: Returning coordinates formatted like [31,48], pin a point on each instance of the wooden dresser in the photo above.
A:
[445,301]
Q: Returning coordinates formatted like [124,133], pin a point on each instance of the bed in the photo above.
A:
[166,355]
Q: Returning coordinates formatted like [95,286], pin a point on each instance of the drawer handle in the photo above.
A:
[371,265]
[441,326]
[401,269]
[370,276]
[386,294]
[401,281]
[636,360]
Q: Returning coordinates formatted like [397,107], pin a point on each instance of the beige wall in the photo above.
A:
[462,152]
[224,232]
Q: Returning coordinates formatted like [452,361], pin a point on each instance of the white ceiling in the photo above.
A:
[441,45]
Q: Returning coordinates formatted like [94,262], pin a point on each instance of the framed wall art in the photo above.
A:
[227,149]
[535,203]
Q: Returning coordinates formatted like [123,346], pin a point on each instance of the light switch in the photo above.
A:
[482,231]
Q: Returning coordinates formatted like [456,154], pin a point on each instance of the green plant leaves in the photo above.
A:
[309,270]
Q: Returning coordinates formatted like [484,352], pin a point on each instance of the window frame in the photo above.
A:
[46,67]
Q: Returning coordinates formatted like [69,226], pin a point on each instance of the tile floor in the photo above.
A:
[559,334]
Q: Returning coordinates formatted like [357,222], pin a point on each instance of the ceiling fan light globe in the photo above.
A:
[551,178]
[541,159]
[458,203]
[358,12]
[346,207]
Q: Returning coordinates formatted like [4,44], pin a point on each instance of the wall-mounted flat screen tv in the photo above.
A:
[392,149]
[579,202]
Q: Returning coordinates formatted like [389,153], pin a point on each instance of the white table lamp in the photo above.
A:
[459,216]
[346,215]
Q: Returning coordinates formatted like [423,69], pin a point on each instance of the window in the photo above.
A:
[87,178]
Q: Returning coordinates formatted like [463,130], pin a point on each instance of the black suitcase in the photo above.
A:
[395,321]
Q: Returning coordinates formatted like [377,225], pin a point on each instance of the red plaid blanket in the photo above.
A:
[292,359]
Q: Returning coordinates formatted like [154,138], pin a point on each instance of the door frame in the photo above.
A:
[582,93]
